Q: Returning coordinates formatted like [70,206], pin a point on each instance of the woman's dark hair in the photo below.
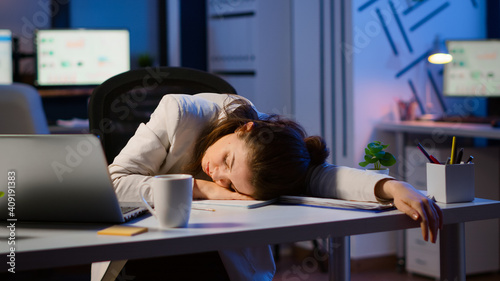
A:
[279,155]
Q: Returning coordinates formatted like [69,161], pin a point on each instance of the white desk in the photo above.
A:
[436,131]
[52,245]
[444,128]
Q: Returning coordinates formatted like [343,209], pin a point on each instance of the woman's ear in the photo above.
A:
[247,127]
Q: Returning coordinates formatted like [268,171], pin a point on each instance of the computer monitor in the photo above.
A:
[80,57]
[5,56]
[475,69]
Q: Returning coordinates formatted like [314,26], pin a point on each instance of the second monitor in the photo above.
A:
[80,57]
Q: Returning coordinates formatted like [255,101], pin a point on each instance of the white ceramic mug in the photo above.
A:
[172,197]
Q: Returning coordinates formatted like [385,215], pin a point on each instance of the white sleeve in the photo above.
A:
[340,182]
[145,153]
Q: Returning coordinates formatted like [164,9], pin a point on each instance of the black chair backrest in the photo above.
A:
[121,103]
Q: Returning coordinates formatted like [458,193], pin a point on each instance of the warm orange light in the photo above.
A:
[440,58]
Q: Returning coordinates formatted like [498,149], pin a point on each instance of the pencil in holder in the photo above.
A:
[450,183]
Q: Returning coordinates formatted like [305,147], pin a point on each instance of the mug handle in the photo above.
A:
[142,188]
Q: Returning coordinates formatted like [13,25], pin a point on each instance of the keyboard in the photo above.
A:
[128,209]
[469,119]
[130,212]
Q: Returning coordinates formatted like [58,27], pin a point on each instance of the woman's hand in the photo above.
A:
[411,202]
[209,190]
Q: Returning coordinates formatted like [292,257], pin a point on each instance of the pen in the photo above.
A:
[431,158]
[424,152]
[470,159]
[203,209]
[460,154]
[434,160]
[452,157]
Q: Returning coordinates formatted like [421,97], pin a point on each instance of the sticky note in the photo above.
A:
[122,230]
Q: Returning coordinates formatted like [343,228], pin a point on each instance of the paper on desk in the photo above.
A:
[248,204]
[333,203]
[73,123]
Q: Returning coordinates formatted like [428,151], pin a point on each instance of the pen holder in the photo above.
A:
[450,183]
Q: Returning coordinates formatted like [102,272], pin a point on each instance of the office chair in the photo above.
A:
[21,110]
[121,103]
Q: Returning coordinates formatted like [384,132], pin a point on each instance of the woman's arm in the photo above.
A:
[145,154]
[411,202]
[355,184]
[203,189]
[330,181]
[136,164]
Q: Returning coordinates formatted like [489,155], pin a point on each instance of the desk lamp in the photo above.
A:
[440,58]
[437,56]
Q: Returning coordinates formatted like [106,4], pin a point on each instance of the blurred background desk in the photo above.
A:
[65,104]
[482,238]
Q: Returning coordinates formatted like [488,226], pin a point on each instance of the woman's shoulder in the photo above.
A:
[178,114]
[194,103]
[178,109]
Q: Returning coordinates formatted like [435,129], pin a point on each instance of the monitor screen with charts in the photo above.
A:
[474,70]
[80,57]
[5,56]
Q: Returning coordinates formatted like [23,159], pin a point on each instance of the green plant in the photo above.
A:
[375,154]
[145,60]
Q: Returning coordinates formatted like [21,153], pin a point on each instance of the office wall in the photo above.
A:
[140,17]
[22,17]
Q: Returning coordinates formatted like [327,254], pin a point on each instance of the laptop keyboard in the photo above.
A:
[126,210]
[132,212]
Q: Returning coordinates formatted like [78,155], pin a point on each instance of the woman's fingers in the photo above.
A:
[431,218]
[416,211]
[419,208]
[437,219]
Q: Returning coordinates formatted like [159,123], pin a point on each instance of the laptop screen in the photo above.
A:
[5,56]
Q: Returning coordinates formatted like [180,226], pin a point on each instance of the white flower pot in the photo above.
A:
[384,171]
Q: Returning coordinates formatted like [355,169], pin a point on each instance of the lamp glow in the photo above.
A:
[440,58]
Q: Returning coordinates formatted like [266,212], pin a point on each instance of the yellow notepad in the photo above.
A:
[122,230]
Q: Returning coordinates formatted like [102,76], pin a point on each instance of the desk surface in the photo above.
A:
[56,244]
[444,128]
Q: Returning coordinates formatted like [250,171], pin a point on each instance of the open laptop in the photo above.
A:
[57,178]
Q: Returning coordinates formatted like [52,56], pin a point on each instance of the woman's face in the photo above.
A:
[226,163]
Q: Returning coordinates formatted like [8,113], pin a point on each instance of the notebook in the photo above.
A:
[57,178]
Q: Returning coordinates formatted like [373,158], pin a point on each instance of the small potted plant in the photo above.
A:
[145,60]
[375,154]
